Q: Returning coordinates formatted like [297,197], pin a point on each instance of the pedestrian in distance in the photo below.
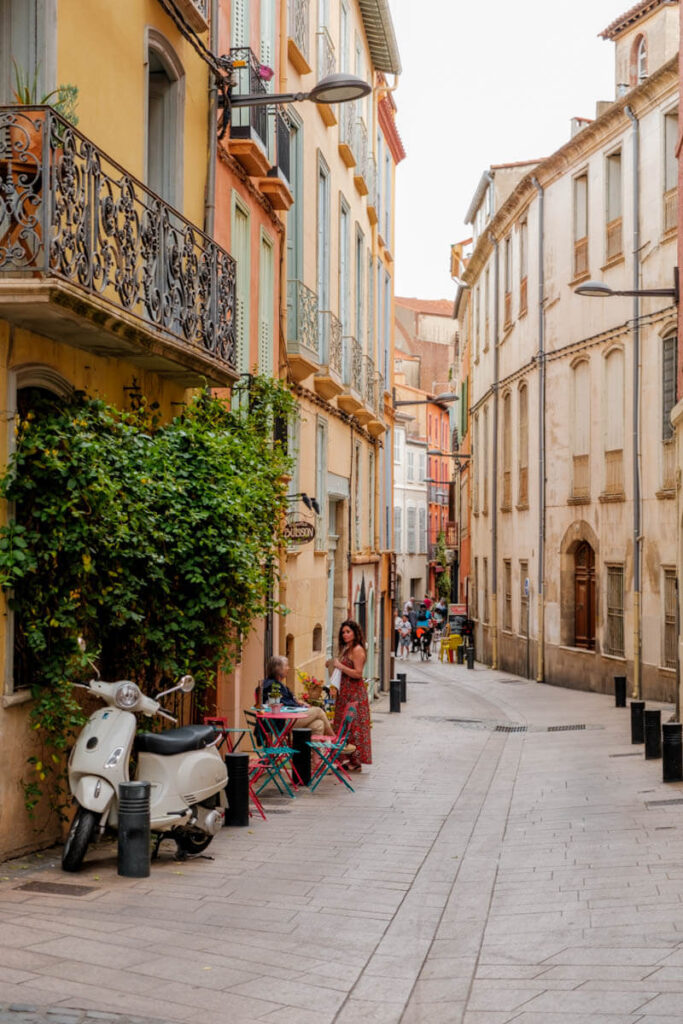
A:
[405,632]
[353,690]
[398,619]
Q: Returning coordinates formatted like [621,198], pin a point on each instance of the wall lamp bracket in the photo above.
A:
[598,290]
[311,503]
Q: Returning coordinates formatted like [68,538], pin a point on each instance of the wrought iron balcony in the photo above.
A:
[369,382]
[298,31]
[90,255]
[352,375]
[348,143]
[371,182]
[249,123]
[361,173]
[328,379]
[276,183]
[302,330]
[327,65]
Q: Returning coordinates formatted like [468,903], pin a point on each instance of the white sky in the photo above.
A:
[484,82]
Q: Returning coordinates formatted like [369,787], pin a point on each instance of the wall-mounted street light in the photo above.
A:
[598,290]
[337,88]
[450,455]
[311,503]
[425,401]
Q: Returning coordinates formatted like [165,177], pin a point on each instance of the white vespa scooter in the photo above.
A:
[186,772]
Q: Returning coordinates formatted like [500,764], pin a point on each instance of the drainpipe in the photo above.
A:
[637,538]
[494,462]
[210,196]
[540,668]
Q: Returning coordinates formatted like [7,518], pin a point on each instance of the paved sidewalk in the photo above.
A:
[508,857]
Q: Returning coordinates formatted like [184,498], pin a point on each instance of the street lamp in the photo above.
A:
[598,290]
[337,88]
[425,401]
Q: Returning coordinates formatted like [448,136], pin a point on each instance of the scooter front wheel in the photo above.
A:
[80,835]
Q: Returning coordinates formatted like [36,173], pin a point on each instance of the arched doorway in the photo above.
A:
[584,596]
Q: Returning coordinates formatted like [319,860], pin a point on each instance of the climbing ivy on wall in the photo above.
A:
[155,542]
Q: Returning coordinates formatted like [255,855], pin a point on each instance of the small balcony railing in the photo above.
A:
[248,121]
[379,395]
[348,141]
[282,140]
[302,318]
[352,364]
[671,210]
[581,257]
[451,534]
[368,381]
[327,61]
[614,243]
[69,212]
[361,151]
[330,341]
[298,25]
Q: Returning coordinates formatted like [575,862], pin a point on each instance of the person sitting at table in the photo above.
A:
[314,719]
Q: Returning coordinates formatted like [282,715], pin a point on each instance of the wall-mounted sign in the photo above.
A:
[299,531]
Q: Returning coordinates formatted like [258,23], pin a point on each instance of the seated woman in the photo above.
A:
[314,719]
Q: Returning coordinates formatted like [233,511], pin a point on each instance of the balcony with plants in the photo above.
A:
[249,133]
[92,257]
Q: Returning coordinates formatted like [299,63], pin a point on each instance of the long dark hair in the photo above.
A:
[358,638]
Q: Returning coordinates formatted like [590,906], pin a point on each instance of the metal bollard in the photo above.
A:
[134,851]
[401,676]
[653,733]
[620,691]
[637,722]
[460,654]
[469,653]
[237,790]
[672,752]
[395,695]
[301,759]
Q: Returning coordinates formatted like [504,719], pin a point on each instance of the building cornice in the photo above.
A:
[637,13]
[641,100]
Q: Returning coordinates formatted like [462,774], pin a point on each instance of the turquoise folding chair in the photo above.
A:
[274,760]
[330,752]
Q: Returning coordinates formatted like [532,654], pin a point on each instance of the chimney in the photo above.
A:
[577,124]
[601,106]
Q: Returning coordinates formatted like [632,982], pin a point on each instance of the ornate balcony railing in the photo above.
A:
[298,25]
[330,340]
[302,317]
[282,140]
[70,212]
[369,381]
[379,395]
[244,121]
[347,133]
[327,61]
[356,366]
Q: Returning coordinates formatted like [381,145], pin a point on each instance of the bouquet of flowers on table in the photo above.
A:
[313,689]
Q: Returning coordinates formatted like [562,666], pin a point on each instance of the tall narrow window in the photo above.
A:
[669,373]
[487,306]
[358,499]
[614,423]
[398,535]
[485,573]
[581,430]
[581,225]
[506,502]
[641,60]
[485,462]
[410,465]
[670,171]
[476,459]
[507,299]
[23,39]
[241,252]
[613,240]
[523,267]
[360,290]
[475,323]
[295,219]
[523,448]
[507,594]
[614,623]
[165,99]
[523,599]
[397,445]
[474,591]
[371,500]
[323,263]
[321,482]
[266,310]
[670,619]
[421,471]
[422,530]
[410,531]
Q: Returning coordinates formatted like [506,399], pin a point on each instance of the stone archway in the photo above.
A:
[579,612]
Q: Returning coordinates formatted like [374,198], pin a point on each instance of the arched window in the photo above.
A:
[641,60]
[165,110]
[581,415]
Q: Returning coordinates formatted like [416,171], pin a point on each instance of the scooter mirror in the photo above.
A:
[186,684]
[81,644]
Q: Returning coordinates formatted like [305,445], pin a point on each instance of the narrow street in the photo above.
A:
[508,857]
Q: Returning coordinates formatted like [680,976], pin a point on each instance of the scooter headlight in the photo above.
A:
[127,696]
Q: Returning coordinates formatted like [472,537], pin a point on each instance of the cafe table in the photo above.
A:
[276,726]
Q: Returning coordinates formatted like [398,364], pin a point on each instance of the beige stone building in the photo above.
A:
[573,517]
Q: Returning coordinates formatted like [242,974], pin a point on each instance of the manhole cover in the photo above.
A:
[57,888]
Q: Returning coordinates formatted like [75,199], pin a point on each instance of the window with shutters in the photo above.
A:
[506,498]
[507,278]
[485,462]
[241,252]
[410,466]
[476,459]
[359,268]
[613,227]
[507,594]
[474,591]
[321,483]
[371,500]
[357,498]
[523,448]
[398,537]
[580,432]
[239,26]
[411,540]
[266,312]
[323,260]
[486,310]
[523,599]
[25,37]
[398,444]
[422,463]
[580,264]
[670,613]
[523,268]
[614,425]
[614,620]
[422,528]
[475,323]
[670,212]
[267,58]
[669,373]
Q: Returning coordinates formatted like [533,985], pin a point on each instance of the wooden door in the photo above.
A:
[584,597]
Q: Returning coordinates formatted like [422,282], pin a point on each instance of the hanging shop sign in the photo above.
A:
[299,531]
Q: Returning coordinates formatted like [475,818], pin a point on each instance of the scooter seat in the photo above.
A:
[175,741]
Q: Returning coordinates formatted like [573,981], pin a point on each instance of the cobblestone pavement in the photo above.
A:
[508,857]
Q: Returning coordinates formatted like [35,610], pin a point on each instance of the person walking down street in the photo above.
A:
[351,662]
[397,631]
[406,632]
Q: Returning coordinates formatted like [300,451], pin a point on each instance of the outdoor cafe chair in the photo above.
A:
[275,758]
[330,751]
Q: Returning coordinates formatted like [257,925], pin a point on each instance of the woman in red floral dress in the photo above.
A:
[351,662]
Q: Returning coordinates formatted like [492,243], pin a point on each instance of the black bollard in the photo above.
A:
[653,733]
[237,790]
[401,676]
[395,695]
[134,851]
[460,654]
[637,722]
[301,759]
[470,656]
[620,691]
[672,759]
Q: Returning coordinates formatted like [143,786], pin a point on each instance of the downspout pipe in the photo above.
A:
[540,667]
[637,538]
[210,195]
[494,459]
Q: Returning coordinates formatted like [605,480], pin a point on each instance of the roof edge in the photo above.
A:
[379,29]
